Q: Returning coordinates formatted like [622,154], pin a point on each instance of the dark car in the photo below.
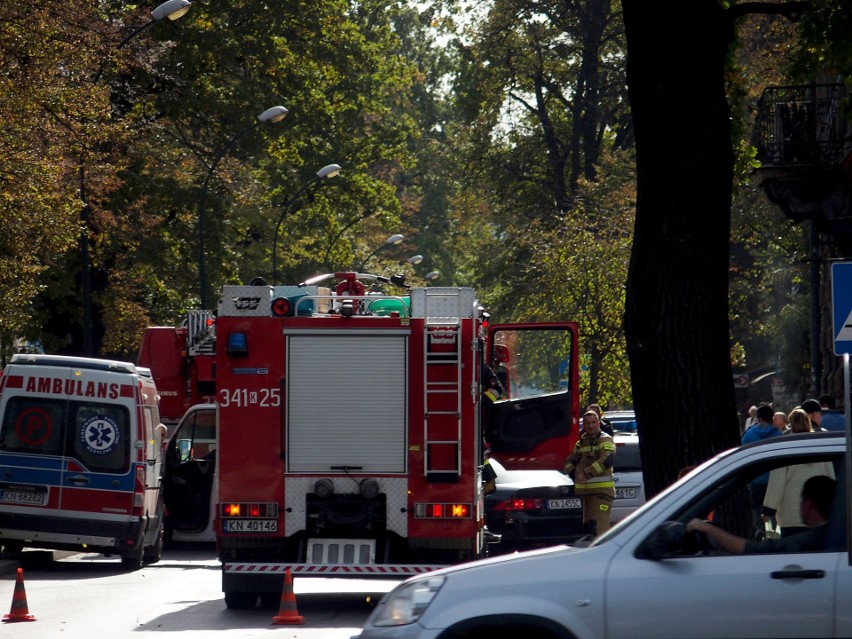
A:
[531,508]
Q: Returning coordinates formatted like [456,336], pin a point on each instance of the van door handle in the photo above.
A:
[798,574]
[79,480]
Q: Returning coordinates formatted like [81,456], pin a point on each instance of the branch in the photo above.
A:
[791,10]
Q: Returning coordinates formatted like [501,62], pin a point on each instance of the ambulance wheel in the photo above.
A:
[132,561]
[154,553]
[240,600]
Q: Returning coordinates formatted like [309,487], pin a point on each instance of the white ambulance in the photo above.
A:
[80,458]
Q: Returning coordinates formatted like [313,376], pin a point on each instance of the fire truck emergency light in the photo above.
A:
[237,345]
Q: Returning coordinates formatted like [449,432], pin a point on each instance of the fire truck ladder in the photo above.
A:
[443,399]
[201,334]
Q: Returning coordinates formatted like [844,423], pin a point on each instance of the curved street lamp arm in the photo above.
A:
[328,171]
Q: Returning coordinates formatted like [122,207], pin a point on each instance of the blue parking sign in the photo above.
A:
[841,305]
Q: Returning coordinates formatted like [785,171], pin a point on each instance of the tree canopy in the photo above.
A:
[500,139]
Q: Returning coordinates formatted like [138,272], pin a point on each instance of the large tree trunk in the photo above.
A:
[676,319]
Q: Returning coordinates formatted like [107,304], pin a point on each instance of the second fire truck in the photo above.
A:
[352,426]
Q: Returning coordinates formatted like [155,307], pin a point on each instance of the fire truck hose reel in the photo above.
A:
[369,488]
[324,488]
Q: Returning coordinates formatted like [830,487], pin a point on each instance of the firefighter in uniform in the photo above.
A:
[590,466]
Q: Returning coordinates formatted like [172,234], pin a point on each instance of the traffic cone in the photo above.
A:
[287,612]
[19,611]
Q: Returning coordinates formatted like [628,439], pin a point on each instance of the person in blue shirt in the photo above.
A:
[763,429]
[832,419]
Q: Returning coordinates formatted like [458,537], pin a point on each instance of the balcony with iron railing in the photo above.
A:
[803,126]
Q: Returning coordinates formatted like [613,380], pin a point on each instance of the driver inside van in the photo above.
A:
[815,508]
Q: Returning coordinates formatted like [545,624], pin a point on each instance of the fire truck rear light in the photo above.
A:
[237,345]
[442,511]
[259,510]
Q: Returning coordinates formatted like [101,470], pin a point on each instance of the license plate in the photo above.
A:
[563,504]
[625,493]
[251,525]
[28,497]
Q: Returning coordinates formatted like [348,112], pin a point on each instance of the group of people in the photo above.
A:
[822,413]
[776,497]
[796,499]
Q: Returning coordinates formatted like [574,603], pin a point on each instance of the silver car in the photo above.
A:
[648,577]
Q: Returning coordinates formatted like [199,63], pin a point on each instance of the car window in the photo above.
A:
[627,458]
[726,504]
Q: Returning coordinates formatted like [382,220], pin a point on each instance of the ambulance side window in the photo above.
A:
[32,425]
[99,436]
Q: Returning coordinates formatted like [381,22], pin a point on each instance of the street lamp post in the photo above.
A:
[393,239]
[272,116]
[328,171]
[345,228]
[171,10]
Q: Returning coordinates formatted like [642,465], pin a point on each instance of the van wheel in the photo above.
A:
[152,554]
[132,561]
[12,547]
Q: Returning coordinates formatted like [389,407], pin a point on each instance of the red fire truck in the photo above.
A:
[183,360]
[351,429]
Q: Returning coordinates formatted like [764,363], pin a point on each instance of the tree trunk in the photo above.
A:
[676,319]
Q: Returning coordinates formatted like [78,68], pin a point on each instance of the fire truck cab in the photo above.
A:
[349,430]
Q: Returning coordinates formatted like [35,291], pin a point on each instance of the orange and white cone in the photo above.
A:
[287,612]
[19,611]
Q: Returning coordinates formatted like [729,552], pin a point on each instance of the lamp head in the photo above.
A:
[171,9]
[395,239]
[328,171]
[273,114]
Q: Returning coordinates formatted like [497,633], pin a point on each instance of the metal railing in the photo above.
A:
[803,125]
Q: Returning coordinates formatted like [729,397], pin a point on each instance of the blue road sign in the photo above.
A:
[841,306]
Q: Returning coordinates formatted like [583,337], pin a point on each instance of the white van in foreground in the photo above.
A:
[80,458]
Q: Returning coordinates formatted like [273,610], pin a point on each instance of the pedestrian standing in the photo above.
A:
[590,466]
[832,419]
[763,429]
[814,410]
[751,420]
[779,420]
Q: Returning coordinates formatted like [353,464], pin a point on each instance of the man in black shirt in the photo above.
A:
[815,507]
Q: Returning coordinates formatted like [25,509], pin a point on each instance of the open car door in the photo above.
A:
[535,423]
[190,470]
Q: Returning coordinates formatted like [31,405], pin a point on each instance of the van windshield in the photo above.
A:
[95,434]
